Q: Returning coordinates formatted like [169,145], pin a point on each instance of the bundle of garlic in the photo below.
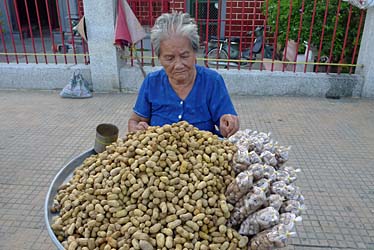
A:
[266,201]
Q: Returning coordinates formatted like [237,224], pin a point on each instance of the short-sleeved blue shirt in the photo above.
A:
[203,107]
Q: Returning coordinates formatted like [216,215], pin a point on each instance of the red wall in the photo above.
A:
[243,16]
[148,10]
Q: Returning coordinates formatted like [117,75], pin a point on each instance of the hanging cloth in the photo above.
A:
[128,30]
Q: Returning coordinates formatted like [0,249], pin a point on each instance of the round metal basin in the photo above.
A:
[63,176]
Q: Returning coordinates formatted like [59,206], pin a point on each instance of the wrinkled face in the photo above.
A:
[178,59]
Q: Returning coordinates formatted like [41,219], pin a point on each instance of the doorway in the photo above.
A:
[43,8]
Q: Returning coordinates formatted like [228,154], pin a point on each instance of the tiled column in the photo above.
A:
[100,23]
[366,55]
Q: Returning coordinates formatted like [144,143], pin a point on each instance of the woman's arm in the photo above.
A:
[221,107]
[136,123]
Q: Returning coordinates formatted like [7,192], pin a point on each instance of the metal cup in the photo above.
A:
[106,134]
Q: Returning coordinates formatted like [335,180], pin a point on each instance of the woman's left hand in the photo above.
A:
[229,124]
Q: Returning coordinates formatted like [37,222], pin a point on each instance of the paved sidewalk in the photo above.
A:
[332,142]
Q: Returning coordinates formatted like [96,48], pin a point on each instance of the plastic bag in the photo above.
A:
[78,87]
[264,184]
[273,238]
[292,206]
[271,146]
[242,156]
[290,192]
[275,201]
[258,145]
[282,154]
[257,222]
[254,157]
[254,199]
[289,220]
[287,174]
[247,205]
[239,167]
[268,158]
[258,170]
[269,172]
[265,137]
[239,187]
[239,135]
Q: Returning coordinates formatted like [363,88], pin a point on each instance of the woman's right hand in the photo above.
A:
[141,126]
[137,123]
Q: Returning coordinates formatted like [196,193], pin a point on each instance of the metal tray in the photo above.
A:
[63,176]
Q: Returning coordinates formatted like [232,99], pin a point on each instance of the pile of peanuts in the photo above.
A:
[163,188]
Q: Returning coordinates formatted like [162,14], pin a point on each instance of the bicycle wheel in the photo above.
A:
[217,57]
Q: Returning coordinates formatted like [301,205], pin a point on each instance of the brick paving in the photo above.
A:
[332,142]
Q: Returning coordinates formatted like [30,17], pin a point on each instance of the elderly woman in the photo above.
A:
[182,90]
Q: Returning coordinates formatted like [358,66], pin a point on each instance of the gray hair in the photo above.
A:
[176,23]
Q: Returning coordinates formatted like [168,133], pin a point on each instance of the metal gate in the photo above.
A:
[41,31]
[210,16]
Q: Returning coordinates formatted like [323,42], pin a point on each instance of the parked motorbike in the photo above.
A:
[218,50]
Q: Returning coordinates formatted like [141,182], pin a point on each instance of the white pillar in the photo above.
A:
[104,63]
[366,55]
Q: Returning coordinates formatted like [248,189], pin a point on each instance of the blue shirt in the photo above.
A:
[207,101]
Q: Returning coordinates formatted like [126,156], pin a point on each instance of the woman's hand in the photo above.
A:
[229,124]
[137,123]
[141,126]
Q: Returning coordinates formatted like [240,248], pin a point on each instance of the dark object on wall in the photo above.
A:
[332,95]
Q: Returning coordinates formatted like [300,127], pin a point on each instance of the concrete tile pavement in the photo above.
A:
[332,142]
